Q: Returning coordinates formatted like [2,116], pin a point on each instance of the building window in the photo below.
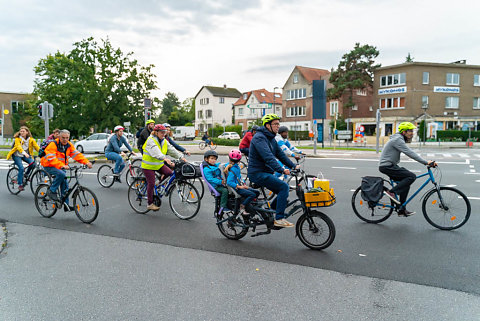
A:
[222,100]
[361,92]
[240,111]
[200,114]
[393,102]
[204,101]
[476,80]
[208,113]
[262,94]
[333,107]
[451,102]
[297,93]
[17,106]
[453,79]
[393,80]
[355,107]
[476,102]
[424,101]
[426,78]
[245,96]
[277,110]
[295,78]
[296,111]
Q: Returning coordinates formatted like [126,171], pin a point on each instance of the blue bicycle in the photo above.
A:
[183,197]
[444,207]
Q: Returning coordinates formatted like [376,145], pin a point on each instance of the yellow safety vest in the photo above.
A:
[150,162]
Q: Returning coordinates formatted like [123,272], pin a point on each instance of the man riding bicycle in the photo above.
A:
[114,153]
[262,164]
[389,160]
[55,162]
[145,134]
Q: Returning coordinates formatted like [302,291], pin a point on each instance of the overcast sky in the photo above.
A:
[246,44]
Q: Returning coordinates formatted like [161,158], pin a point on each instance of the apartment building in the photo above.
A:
[252,105]
[12,103]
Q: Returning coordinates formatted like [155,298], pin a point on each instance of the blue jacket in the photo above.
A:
[175,145]
[234,177]
[264,152]
[115,144]
[212,174]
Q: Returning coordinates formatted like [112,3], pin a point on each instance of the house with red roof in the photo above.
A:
[252,105]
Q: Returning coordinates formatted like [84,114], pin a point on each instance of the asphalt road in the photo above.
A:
[401,249]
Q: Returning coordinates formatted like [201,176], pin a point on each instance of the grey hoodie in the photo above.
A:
[395,146]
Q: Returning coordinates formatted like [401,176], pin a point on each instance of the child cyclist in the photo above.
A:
[234,180]
[213,175]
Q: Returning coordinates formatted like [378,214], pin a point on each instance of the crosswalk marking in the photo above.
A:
[464,155]
[447,155]
[430,155]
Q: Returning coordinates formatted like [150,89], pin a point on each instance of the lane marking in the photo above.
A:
[447,155]
[473,198]
[466,162]
[464,155]
[344,167]
[478,181]
[450,185]
[430,155]
[476,155]
[472,166]
[472,171]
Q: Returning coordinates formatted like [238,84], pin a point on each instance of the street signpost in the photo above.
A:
[377,116]
[147,104]
[45,112]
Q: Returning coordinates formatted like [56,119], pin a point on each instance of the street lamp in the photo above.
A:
[424,107]
[274,99]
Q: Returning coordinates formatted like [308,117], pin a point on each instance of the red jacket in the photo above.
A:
[245,143]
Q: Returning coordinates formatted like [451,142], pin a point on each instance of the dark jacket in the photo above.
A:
[264,152]
[116,143]
[143,138]
[175,145]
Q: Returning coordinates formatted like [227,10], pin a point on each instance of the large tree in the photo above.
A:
[94,85]
[355,71]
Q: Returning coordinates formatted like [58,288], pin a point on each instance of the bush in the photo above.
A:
[457,135]
[226,142]
[217,130]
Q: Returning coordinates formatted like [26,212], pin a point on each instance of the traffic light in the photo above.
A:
[40,110]
[149,115]
[50,111]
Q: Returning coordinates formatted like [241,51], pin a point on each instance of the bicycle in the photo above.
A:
[204,144]
[314,228]
[445,199]
[85,202]
[35,177]
[188,196]
[106,177]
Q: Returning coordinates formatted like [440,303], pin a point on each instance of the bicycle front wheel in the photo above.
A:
[447,209]
[132,174]
[315,230]
[376,214]
[86,205]
[137,195]
[105,176]
[39,177]
[202,145]
[12,181]
[45,206]
[231,227]
[243,169]
[184,200]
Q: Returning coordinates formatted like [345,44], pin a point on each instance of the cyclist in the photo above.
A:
[114,153]
[23,142]
[155,150]
[205,138]
[168,136]
[55,162]
[285,146]
[246,140]
[213,175]
[262,164]
[145,134]
[389,160]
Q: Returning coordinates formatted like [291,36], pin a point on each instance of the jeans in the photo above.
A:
[59,180]
[249,194]
[119,163]
[18,162]
[403,176]
[277,186]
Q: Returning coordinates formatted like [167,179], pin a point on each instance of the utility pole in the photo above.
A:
[378,116]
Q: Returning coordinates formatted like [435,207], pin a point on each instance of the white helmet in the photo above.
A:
[117,128]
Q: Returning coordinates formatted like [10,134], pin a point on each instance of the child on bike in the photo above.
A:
[213,175]
[234,180]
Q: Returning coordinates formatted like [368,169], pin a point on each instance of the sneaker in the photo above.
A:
[153,207]
[116,177]
[21,188]
[53,196]
[405,213]
[287,223]
[391,196]
[279,223]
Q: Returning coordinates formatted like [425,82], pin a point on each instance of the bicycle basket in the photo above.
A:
[187,170]
[320,199]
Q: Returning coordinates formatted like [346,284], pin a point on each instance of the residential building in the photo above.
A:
[446,95]
[13,102]
[252,105]
[214,105]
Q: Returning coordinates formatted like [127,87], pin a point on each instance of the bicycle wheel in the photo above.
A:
[132,174]
[315,230]
[137,195]
[39,177]
[86,205]
[231,227]
[450,214]
[202,145]
[243,169]
[379,213]
[198,183]
[45,206]
[184,200]
[105,176]
[12,183]
[137,162]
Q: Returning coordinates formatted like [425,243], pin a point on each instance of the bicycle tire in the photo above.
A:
[137,195]
[132,174]
[202,145]
[198,183]
[192,200]
[445,219]
[86,205]
[243,169]
[105,176]
[137,162]
[374,215]
[315,225]
[232,228]
[12,181]
[40,176]
[45,206]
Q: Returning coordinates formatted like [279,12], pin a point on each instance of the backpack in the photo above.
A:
[43,145]
[139,132]
[372,189]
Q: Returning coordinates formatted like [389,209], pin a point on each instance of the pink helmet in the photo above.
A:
[159,127]
[235,155]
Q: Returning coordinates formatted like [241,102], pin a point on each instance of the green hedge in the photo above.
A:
[217,130]
[226,142]
[457,135]
[301,135]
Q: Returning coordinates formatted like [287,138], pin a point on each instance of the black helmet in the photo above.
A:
[255,127]
[209,153]
[282,129]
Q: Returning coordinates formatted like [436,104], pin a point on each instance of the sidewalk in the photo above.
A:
[51,274]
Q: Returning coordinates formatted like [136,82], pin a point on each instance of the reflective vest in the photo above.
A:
[150,162]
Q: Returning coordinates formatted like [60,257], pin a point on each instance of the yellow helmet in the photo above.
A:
[406,126]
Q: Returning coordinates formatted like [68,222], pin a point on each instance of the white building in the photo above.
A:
[252,105]
[213,106]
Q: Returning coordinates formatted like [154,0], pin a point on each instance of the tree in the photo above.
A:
[94,85]
[409,58]
[355,71]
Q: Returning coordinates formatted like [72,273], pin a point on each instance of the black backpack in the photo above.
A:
[139,132]
[372,189]
[43,145]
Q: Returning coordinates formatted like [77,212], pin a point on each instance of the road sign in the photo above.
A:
[259,106]
[361,128]
[344,136]
[147,103]
[344,132]
[126,124]
[336,131]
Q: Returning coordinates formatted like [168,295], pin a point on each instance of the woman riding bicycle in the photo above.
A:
[23,142]
[114,153]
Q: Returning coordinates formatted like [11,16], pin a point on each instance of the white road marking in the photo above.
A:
[476,155]
[478,181]
[344,167]
[472,166]
[472,171]
[473,198]
[450,185]
[417,171]
[464,155]
[447,155]
[431,155]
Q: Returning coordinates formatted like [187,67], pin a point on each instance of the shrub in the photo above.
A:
[457,135]
[226,142]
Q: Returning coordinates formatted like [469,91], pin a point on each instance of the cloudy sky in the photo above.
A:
[246,44]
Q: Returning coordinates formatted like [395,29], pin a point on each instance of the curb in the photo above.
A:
[3,236]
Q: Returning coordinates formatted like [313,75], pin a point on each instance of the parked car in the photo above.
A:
[229,135]
[96,143]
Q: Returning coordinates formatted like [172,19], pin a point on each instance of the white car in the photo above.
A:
[229,135]
[96,143]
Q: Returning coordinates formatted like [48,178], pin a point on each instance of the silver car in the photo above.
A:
[96,143]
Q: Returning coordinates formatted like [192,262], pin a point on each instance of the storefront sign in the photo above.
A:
[396,90]
[450,90]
